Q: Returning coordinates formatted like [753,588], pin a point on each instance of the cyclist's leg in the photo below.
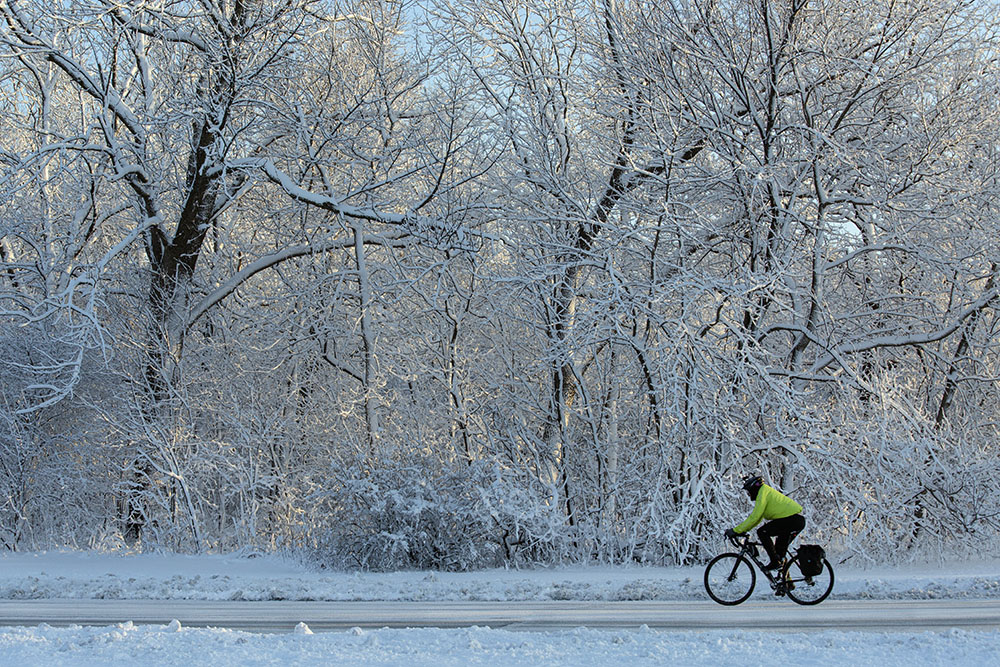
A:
[789,528]
[765,533]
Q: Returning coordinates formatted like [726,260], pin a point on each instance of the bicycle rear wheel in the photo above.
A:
[808,590]
[729,579]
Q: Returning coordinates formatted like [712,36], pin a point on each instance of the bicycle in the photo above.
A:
[730,577]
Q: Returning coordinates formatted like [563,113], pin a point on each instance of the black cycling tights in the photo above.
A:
[783,531]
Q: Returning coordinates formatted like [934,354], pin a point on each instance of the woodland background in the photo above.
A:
[454,284]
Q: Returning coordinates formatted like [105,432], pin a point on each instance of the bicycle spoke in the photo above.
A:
[809,590]
[729,579]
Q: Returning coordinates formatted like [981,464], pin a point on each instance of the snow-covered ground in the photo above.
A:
[173,645]
[84,575]
[268,577]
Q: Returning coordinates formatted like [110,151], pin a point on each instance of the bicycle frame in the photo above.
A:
[750,549]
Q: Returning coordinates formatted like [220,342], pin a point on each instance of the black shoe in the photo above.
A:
[773,566]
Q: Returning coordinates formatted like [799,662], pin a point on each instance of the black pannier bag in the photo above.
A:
[810,559]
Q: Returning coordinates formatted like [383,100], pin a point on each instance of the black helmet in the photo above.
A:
[752,485]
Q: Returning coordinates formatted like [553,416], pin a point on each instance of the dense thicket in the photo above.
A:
[451,284]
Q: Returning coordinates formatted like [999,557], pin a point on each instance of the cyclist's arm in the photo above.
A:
[755,516]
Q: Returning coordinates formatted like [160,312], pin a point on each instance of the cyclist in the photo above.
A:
[784,519]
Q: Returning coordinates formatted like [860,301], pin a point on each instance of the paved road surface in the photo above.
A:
[281,616]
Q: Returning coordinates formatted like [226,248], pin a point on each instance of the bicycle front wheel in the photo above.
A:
[729,579]
[808,590]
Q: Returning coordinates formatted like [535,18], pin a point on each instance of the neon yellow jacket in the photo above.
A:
[770,504]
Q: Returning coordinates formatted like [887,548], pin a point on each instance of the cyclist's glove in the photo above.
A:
[730,533]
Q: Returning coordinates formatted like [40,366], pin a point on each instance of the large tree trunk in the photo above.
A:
[172,264]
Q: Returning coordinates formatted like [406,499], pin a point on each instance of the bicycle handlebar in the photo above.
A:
[744,542]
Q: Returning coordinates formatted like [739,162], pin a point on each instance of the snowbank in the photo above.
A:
[268,577]
[174,645]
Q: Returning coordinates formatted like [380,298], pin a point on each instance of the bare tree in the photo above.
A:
[186,105]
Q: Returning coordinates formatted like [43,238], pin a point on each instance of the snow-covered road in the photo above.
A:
[283,616]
